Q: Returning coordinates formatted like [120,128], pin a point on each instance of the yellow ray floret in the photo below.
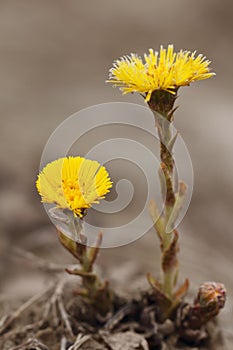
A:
[166,70]
[73,183]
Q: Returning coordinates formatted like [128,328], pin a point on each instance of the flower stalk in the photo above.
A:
[95,291]
[162,106]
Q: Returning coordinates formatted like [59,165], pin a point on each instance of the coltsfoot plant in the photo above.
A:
[73,184]
[158,78]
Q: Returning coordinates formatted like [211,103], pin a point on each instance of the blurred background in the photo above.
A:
[54,61]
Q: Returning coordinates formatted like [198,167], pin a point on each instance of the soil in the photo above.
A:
[56,319]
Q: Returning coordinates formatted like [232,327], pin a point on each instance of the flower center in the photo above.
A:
[71,189]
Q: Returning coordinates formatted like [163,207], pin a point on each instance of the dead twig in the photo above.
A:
[81,339]
[6,321]
[56,306]
[37,262]
[63,343]
[31,344]
[114,321]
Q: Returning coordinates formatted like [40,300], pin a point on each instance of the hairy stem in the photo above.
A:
[162,105]
[94,290]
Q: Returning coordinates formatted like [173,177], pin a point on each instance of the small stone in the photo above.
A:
[127,341]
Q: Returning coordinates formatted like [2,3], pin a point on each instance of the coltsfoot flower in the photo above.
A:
[210,300]
[73,183]
[166,70]
[212,295]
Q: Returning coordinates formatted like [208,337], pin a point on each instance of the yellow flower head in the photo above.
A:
[73,183]
[166,70]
